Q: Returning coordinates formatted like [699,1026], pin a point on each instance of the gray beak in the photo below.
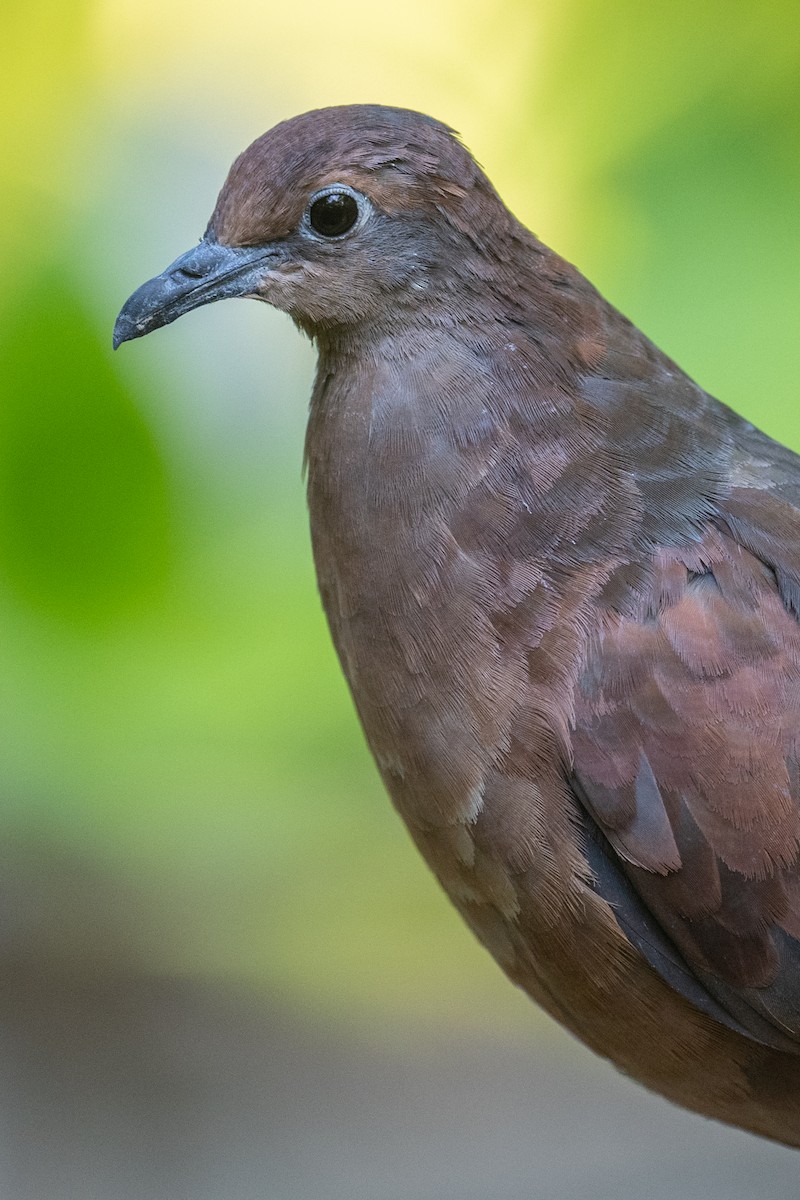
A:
[206,273]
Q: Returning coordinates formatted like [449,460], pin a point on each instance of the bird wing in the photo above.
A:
[686,750]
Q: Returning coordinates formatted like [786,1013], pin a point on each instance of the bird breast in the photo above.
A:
[461,657]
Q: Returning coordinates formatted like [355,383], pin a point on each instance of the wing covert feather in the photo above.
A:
[687,726]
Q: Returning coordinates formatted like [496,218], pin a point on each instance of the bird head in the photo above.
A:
[338,216]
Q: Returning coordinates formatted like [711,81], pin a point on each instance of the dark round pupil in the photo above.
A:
[334,214]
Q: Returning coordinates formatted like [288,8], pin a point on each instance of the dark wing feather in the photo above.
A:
[686,745]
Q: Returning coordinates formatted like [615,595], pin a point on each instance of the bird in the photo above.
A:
[563,583]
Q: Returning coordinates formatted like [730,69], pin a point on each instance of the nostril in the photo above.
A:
[193,265]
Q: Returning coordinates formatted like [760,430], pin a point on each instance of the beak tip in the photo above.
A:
[125,330]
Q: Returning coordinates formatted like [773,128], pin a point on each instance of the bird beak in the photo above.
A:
[207,272]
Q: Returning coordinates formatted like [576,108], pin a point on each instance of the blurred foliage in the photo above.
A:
[84,506]
[45,78]
[173,714]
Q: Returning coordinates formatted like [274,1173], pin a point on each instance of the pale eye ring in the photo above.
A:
[334,212]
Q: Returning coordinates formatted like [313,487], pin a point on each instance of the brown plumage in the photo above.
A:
[564,585]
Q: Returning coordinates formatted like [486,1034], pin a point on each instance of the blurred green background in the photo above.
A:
[184,783]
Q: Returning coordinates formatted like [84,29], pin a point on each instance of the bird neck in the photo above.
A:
[459,425]
[528,415]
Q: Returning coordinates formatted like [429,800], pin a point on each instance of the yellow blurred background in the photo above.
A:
[186,793]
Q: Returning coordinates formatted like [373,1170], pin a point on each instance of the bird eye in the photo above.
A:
[333,213]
